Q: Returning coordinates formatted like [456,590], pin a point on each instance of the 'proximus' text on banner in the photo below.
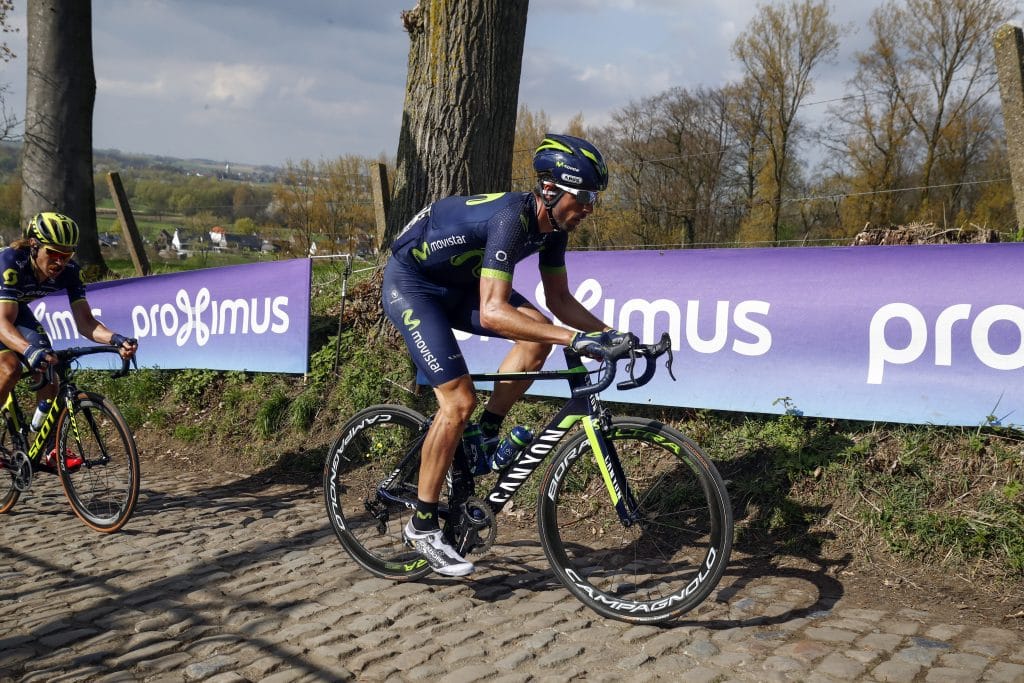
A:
[251,317]
[916,334]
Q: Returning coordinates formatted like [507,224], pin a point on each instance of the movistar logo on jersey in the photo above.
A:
[10,276]
[476,255]
[428,248]
[421,254]
[409,321]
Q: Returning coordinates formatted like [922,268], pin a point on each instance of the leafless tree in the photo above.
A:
[779,51]
[944,69]
[871,132]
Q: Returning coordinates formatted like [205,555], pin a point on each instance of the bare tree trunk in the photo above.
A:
[57,154]
[461,97]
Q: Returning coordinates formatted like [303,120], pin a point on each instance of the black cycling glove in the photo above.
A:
[36,353]
[601,345]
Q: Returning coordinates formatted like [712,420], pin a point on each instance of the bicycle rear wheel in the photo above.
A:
[104,487]
[377,446]
[667,562]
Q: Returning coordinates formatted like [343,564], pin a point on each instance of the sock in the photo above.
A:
[425,516]
[490,424]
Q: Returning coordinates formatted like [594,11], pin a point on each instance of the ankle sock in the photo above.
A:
[424,518]
[490,423]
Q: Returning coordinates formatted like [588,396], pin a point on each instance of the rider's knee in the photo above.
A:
[10,365]
[535,353]
[458,400]
[463,406]
[10,373]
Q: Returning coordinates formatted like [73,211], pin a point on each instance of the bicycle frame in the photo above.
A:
[17,426]
[578,408]
[585,407]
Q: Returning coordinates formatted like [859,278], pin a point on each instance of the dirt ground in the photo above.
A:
[867,578]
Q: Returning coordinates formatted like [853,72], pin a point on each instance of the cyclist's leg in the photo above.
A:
[524,356]
[456,401]
[10,371]
[418,310]
[11,360]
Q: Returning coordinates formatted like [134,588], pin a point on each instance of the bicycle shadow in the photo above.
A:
[759,481]
[268,492]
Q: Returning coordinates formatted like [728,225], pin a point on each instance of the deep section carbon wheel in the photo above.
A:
[370,480]
[670,556]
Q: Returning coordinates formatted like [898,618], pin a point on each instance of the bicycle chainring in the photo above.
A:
[476,527]
[22,471]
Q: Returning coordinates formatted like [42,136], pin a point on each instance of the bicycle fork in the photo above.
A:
[611,471]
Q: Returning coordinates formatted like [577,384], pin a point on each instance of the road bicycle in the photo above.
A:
[80,425]
[633,517]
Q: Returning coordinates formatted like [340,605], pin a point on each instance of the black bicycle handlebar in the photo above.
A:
[65,355]
[649,352]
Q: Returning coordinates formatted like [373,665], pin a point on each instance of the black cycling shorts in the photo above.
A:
[425,313]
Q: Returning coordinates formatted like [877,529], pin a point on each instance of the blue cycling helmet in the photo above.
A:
[570,161]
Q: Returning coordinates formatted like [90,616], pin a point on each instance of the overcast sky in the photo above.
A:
[268,81]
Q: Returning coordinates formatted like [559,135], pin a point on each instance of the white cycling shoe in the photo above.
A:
[441,557]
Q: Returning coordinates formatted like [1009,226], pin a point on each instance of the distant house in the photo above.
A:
[183,242]
[218,236]
[222,239]
[178,241]
[244,242]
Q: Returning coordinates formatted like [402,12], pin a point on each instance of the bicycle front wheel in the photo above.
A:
[671,557]
[8,493]
[370,480]
[98,462]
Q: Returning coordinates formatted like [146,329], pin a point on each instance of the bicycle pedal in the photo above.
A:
[22,479]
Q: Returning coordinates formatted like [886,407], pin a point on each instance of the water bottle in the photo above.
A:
[478,449]
[518,439]
[41,410]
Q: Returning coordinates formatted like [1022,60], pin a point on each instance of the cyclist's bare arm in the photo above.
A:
[10,337]
[566,307]
[497,314]
[91,328]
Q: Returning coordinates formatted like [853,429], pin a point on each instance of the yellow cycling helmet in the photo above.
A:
[54,229]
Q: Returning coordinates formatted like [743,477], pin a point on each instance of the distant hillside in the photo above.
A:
[106,160]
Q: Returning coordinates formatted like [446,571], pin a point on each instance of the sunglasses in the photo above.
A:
[584,197]
[58,254]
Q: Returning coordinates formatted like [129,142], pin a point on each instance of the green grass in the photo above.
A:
[950,497]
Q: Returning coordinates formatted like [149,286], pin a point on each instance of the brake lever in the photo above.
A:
[668,364]
[631,363]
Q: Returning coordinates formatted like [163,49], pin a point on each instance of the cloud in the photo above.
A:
[236,84]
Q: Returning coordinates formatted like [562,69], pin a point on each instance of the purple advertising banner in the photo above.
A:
[914,334]
[250,317]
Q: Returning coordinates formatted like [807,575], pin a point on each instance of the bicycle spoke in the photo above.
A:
[657,568]
[98,463]
[377,446]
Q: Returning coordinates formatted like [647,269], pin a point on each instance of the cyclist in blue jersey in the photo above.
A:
[451,267]
[32,267]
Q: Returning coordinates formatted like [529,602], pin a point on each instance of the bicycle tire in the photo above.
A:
[651,571]
[368,451]
[103,489]
[8,493]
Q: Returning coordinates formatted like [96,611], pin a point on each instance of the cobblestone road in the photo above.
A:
[241,579]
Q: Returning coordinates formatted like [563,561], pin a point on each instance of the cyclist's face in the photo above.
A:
[569,211]
[52,261]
